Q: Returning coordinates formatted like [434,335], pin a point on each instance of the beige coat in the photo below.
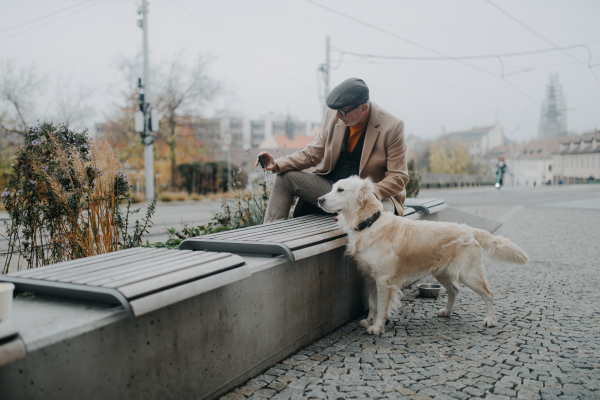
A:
[383,157]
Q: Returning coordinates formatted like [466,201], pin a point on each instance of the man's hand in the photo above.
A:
[268,160]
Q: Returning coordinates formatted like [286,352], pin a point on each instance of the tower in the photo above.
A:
[553,121]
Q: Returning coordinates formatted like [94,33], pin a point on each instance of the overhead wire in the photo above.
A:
[240,46]
[90,5]
[545,39]
[42,17]
[422,47]
[469,57]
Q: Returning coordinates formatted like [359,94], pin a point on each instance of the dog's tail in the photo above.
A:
[500,248]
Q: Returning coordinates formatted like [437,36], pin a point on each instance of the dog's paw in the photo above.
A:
[444,313]
[365,323]
[375,330]
[489,322]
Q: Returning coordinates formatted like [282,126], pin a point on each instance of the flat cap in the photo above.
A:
[351,92]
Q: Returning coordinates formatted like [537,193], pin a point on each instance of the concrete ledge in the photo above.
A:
[198,348]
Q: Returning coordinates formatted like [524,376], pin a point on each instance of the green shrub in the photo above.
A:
[63,199]
[414,180]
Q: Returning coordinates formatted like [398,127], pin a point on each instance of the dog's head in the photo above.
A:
[348,195]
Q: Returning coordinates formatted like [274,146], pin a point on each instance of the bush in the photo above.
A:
[242,208]
[414,180]
[63,199]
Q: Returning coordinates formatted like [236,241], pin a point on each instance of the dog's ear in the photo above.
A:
[366,188]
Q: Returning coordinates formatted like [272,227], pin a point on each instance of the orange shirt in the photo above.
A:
[355,131]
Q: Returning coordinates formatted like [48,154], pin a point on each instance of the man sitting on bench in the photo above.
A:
[358,138]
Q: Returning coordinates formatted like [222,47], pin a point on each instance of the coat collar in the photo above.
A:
[370,136]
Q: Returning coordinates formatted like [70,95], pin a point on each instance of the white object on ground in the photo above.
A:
[6,296]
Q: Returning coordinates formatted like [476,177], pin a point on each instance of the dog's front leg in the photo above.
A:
[385,292]
[372,289]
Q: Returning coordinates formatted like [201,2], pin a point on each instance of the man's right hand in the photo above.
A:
[268,160]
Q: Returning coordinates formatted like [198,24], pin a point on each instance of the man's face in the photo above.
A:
[355,116]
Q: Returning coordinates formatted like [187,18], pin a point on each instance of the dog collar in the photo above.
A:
[368,222]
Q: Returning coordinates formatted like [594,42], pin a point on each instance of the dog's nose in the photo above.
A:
[321,200]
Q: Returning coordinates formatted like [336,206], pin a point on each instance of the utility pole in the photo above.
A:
[325,68]
[145,107]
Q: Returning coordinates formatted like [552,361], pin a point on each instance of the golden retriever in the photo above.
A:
[393,251]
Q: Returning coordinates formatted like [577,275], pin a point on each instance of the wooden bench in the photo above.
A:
[141,279]
[296,238]
[12,347]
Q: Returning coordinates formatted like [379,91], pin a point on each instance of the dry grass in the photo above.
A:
[93,228]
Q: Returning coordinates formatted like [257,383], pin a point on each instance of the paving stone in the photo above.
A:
[545,345]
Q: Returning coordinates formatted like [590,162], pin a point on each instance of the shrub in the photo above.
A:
[63,199]
[414,180]
[242,207]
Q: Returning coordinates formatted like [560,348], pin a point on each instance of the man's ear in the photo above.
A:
[366,188]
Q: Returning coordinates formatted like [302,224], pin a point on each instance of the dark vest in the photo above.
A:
[349,162]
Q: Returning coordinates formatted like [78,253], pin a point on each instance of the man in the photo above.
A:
[358,138]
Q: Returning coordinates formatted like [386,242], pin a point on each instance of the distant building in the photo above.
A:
[481,140]
[538,162]
[553,120]
[577,159]
[248,134]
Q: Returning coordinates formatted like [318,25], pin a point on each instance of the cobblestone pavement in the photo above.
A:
[546,344]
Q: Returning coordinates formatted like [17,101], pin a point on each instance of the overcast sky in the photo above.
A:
[268,52]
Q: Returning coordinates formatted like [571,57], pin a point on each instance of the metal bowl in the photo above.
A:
[429,289]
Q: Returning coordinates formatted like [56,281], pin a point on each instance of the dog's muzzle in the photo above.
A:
[321,201]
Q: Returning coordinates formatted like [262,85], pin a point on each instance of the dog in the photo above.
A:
[393,251]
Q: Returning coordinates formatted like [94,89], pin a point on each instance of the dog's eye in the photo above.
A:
[340,190]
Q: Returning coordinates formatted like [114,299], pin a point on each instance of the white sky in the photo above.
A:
[268,52]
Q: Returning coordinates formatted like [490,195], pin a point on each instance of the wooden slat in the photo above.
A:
[267,232]
[271,225]
[295,244]
[68,264]
[167,297]
[39,273]
[170,257]
[304,232]
[192,273]
[163,270]
[74,273]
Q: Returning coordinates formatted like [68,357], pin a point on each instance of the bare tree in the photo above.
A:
[18,88]
[71,104]
[179,88]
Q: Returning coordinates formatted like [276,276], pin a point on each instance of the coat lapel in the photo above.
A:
[370,138]
[339,131]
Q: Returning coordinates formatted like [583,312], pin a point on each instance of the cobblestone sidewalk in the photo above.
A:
[546,344]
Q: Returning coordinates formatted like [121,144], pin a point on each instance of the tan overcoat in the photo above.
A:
[383,157]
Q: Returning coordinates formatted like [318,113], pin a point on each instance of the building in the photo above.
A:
[577,160]
[248,134]
[481,140]
[528,164]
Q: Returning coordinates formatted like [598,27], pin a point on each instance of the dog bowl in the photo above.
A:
[429,289]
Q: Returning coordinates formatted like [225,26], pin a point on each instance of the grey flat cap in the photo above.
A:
[351,92]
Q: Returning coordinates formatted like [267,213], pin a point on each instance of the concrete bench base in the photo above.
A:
[199,348]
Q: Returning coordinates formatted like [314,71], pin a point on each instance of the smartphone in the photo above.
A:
[261,161]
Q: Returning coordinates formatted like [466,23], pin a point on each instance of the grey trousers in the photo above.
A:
[306,186]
